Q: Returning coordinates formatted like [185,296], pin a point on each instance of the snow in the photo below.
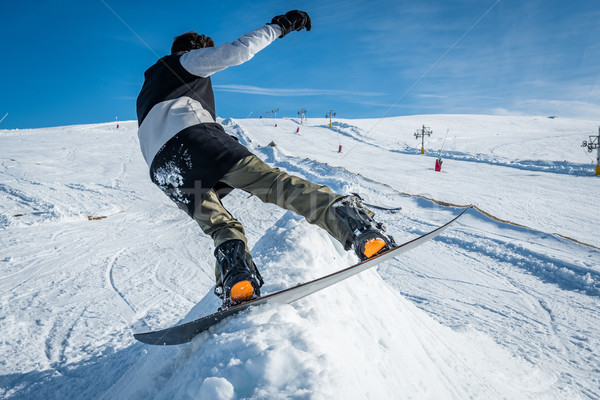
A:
[505,304]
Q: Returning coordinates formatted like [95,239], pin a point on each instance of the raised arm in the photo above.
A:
[207,61]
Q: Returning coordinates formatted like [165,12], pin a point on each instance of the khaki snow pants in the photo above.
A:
[270,185]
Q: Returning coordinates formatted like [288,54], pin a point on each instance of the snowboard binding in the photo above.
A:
[367,236]
[240,280]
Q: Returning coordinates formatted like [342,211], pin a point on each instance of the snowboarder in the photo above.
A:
[196,163]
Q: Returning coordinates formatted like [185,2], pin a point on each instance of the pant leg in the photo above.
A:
[214,220]
[305,198]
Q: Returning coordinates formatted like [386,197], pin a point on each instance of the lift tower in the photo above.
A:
[594,143]
[425,131]
[330,115]
[302,114]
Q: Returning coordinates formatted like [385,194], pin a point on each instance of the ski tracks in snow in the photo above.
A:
[497,279]
[128,312]
[486,310]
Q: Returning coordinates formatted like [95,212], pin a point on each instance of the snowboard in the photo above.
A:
[185,332]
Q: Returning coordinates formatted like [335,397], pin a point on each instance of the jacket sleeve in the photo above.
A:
[207,61]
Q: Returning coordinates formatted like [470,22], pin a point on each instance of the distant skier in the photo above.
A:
[196,163]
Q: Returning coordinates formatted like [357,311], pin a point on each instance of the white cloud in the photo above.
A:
[290,92]
[432,96]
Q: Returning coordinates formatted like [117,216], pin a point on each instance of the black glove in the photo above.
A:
[292,21]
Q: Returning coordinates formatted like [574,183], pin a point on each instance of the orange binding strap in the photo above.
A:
[373,246]
[241,291]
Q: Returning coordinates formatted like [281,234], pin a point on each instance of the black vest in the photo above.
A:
[168,80]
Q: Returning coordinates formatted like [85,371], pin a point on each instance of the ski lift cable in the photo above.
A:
[146,45]
[443,144]
[424,75]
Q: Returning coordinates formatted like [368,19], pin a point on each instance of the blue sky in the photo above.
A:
[73,62]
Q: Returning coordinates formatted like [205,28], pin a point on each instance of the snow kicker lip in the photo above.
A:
[184,333]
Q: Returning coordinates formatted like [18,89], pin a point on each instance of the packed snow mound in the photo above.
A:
[92,252]
[342,343]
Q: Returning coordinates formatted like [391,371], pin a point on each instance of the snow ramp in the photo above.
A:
[357,339]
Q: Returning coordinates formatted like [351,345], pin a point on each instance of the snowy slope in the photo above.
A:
[91,251]
[507,166]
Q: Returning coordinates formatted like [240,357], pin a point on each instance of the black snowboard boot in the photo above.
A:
[367,236]
[240,279]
